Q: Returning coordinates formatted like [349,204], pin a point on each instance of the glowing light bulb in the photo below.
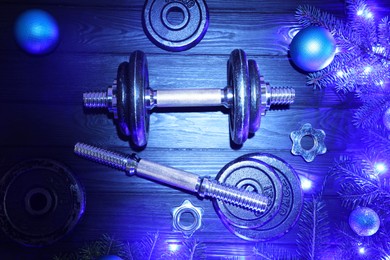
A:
[173,247]
[360,12]
[306,184]
[380,168]
[340,73]
[369,15]
[367,69]
[362,250]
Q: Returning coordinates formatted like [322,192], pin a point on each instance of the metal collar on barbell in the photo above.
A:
[318,137]
[196,214]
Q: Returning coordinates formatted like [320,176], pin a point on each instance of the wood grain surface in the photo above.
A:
[42,114]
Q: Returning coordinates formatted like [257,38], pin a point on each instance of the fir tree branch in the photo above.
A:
[267,251]
[153,244]
[361,44]
[313,234]
[196,250]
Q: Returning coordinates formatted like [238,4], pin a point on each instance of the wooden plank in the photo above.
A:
[114,209]
[42,114]
[130,217]
[101,179]
[133,223]
[213,5]
[34,124]
[120,31]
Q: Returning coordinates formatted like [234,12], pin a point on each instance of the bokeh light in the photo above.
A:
[380,168]
[173,247]
[306,184]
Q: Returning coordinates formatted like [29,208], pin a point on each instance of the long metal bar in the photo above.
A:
[188,97]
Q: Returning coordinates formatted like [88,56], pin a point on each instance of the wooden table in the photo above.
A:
[42,114]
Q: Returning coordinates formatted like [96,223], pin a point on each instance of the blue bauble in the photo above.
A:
[364,221]
[36,32]
[313,48]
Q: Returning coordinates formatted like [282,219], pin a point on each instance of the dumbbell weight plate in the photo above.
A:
[122,84]
[238,79]
[292,201]
[41,201]
[175,35]
[255,176]
[138,115]
[255,100]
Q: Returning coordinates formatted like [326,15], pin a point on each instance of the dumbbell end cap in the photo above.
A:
[95,100]
[282,96]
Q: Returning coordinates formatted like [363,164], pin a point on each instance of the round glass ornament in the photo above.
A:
[36,32]
[364,221]
[313,48]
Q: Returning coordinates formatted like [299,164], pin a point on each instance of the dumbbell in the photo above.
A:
[257,196]
[247,95]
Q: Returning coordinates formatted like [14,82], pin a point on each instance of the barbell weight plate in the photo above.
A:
[255,101]
[122,97]
[41,202]
[238,79]
[251,175]
[138,115]
[292,201]
[175,25]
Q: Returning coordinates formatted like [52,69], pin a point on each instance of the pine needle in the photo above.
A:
[268,251]
[314,230]
[146,247]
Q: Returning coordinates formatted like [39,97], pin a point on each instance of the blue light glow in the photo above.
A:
[367,69]
[362,250]
[380,168]
[379,49]
[173,247]
[369,15]
[340,73]
[306,184]
[36,32]
[366,13]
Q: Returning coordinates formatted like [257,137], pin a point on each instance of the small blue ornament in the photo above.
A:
[36,32]
[109,257]
[313,48]
[364,221]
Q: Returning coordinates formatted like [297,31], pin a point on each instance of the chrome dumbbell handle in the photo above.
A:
[204,97]
[203,186]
